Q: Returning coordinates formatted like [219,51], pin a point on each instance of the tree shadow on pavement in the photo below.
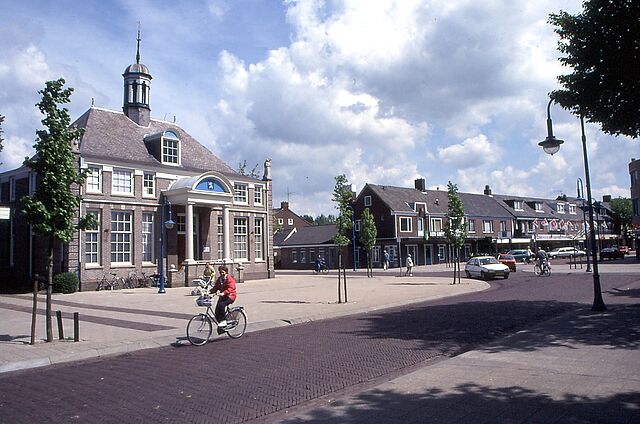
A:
[455,328]
[473,403]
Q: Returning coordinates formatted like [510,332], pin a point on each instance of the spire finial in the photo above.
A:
[138,49]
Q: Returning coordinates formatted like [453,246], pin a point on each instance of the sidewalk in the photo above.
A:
[581,367]
[115,322]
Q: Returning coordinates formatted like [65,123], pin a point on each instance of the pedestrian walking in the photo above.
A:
[409,266]
[385,263]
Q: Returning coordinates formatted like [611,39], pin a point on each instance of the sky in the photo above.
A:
[382,91]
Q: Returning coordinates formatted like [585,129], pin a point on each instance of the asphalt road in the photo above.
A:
[265,373]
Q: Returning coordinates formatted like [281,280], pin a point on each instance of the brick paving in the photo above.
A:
[278,371]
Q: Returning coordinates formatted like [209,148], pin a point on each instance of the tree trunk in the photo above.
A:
[34,313]
[49,289]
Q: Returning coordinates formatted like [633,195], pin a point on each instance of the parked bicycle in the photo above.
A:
[543,270]
[109,284]
[200,326]
[145,281]
[131,281]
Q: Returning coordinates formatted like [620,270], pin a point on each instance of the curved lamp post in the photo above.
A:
[166,225]
[551,145]
[580,189]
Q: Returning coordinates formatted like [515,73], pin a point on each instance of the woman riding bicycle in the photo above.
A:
[225,289]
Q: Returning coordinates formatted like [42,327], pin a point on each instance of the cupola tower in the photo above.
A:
[137,85]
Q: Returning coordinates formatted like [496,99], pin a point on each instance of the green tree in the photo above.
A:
[368,236]
[455,229]
[342,196]
[52,208]
[325,220]
[602,46]
[623,210]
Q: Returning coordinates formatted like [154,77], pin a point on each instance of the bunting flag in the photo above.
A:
[544,222]
[535,223]
[553,224]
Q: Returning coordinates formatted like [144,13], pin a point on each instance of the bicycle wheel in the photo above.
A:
[547,272]
[537,270]
[199,329]
[236,323]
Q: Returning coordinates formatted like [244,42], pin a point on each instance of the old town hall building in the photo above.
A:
[142,169]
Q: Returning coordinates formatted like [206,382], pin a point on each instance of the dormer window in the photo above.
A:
[517,205]
[538,206]
[572,209]
[560,207]
[170,148]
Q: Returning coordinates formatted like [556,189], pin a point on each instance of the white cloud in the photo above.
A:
[471,153]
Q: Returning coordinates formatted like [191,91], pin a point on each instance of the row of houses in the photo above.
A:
[411,221]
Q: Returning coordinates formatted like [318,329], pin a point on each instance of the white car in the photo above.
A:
[565,252]
[486,267]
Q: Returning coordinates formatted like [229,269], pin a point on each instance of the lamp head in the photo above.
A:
[551,145]
[168,224]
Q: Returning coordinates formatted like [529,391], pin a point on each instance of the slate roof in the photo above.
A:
[111,135]
[316,234]
[402,199]
[548,207]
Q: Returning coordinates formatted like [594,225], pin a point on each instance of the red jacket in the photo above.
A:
[227,287]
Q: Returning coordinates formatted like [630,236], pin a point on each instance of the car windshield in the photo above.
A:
[487,261]
[507,257]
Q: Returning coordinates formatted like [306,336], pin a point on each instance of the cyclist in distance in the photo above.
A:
[319,263]
[541,257]
[225,289]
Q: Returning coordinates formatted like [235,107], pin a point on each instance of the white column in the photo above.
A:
[226,229]
[189,231]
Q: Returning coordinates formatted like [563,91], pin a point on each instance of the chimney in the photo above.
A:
[420,184]
[284,206]
[606,198]
[487,190]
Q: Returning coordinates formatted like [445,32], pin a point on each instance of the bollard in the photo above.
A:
[60,329]
[76,327]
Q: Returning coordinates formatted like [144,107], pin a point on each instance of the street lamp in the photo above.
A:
[580,189]
[551,145]
[353,234]
[167,225]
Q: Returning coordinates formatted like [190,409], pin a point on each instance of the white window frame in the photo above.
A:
[121,237]
[181,223]
[471,225]
[220,237]
[147,237]
[487,223]
[572,209]
[258,239]
[170,154]
[409,227]
[560,207]
[240,193]
[367,201]
[357,225]
[518,205]
[538,207]
[240,238]
[435,225]
[290,221]
[280,221]
[119,180]
[93,241]
[258,191]
[148,184]
[94,179]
